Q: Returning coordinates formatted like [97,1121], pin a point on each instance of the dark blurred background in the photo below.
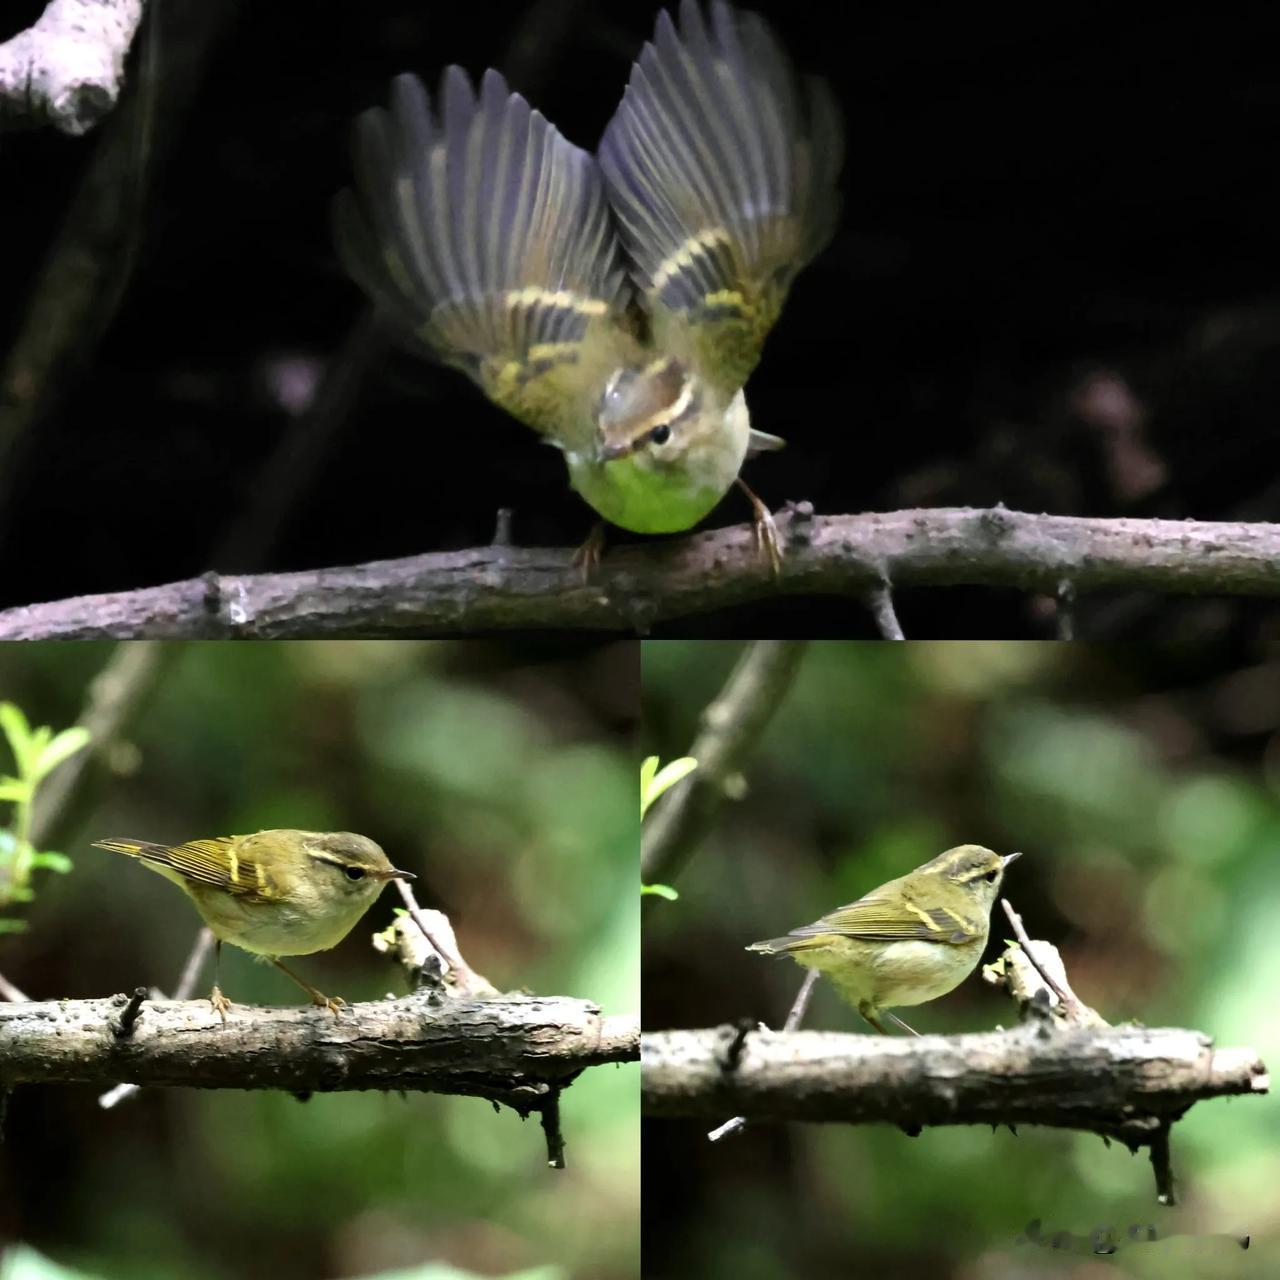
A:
[504,776]
[1055,285]
[1143,788]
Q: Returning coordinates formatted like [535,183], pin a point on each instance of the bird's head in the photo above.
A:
[658,416]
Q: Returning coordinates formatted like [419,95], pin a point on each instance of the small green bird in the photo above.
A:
[273,893]
[907,942]
[616,304]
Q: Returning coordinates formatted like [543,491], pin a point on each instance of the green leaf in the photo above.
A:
[9,925]
[18,792]
[66,744]
[51,861]
[665,778]
[647,770]
[659,890]
[18,731]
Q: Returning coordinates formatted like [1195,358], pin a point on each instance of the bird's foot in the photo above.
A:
[764,531]
[332,1003]
[221,1005]
[586,560]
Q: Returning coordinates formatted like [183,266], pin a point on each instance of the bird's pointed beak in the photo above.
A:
[612,452]
[394,874]
[1008,858]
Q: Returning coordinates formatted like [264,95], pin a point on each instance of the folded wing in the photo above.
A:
[222,863]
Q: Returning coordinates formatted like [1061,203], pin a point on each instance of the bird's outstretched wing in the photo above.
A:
[223,863]
[487,236]
[721,167]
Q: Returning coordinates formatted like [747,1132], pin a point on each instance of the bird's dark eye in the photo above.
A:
[660,434]
[990,877]
[353,873]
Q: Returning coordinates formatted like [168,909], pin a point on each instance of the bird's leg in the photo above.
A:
[220,1002]
[587,557]
[868,1011]
[332,1003]
[764,532]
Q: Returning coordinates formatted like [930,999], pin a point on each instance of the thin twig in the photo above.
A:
[186,985]
[1065,613]
[10,992]
[489,589]
[1071,1004]
[200,952]
[1162,1166]
[800,1005]
[732,727]
[439,933]
[549,1115]
[122,1027]
[880,601]
[795,1016]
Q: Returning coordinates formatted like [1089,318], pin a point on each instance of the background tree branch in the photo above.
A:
[731,727]
[68,68]
[514,1050]
[500,588]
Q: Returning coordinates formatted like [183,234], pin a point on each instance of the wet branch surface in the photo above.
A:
[516,1050]
[499,588]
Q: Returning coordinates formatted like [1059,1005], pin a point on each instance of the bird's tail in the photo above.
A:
[783,946]
[143,849]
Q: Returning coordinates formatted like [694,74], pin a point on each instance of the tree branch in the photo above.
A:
[500,588]
[67,70]
[732,726]
[516,1050]
[1124,1082]
[1063,1067]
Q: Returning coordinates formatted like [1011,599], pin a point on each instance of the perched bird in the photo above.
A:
[275,893]
[907,942]
[616,304]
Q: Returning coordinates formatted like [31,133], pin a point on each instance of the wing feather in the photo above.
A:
[487,236]
[887,916]
[225,862]
[721,167]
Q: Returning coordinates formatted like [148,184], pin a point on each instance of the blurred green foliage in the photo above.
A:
[37,752]
[1142,785]
[504,775]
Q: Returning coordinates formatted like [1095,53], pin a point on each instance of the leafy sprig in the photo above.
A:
[36,753]
[653,782]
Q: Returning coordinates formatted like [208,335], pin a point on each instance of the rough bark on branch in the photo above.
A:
[67,69]
[517,1050]
[1124,1082]
[501,588]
